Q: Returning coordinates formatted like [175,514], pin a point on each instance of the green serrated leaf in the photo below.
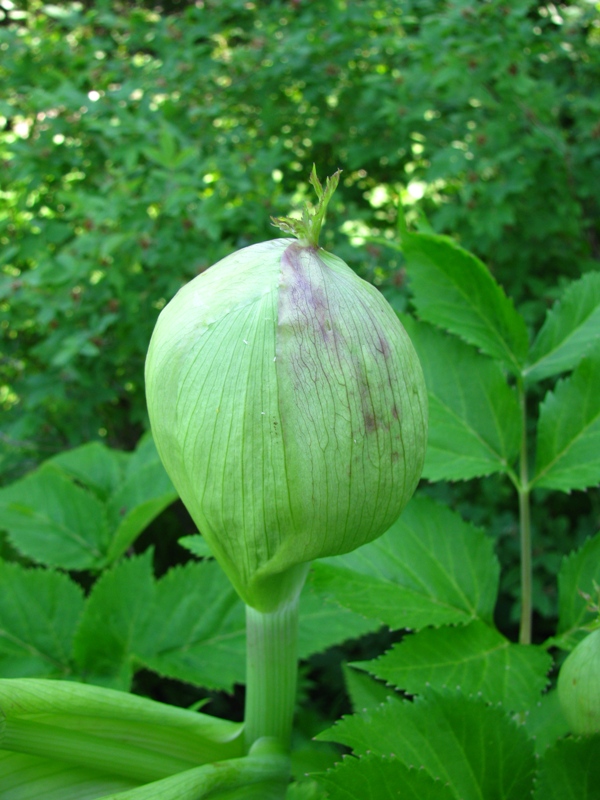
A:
[475,658]
[545,721]
[114,616]
[430,568]
[189,625]
[364,691]
[474,748]
[571,330]
[195,628]
[145,453]
[95,466]
[197,545]
[85,507]
[51,520]
[141,498]
[374,777]
[570,770]
[474,419]
[456,291]
[568,439]
[578,573]
[39,611]
[324,623]
[306,790]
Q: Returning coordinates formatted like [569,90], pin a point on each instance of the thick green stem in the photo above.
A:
[271,672]
[525,528]
[85,749]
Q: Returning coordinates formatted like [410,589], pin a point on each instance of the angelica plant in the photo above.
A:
[289,408]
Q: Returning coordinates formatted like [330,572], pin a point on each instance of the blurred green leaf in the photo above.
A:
[364,691]
[95,466]
[474,419]
[571,330]
[307,790]
[374,777]
[197,545]
[545,721]
[84,508]
[39,612]
[579,571]
[51,519]
[570,770]
[134,505]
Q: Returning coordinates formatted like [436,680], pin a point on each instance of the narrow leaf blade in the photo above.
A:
[178,733]
[254,776]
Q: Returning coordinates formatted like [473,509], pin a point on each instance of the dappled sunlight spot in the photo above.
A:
[379,196]
[356,230]
[416,190]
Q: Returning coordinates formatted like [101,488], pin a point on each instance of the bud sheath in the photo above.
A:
[289,408]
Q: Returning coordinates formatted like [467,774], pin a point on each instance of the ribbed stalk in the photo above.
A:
[271,672]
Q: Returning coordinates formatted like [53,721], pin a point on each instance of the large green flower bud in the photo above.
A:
[579,686]
[288,407]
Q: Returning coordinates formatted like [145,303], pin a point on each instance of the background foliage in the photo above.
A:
[140,146]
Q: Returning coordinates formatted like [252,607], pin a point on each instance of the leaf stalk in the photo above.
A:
[524,493]
[271,672]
